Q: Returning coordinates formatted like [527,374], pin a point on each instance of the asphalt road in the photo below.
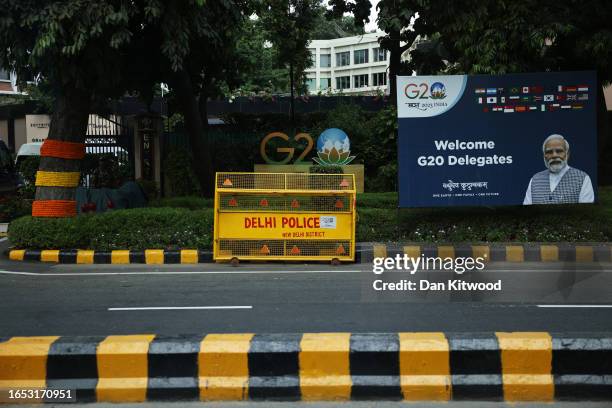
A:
[43,299]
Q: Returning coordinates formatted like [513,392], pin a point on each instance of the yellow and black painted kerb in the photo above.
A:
[82,256]
[519,366]
[499,252]
[364,253]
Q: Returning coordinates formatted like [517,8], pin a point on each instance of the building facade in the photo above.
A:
[8,83]
[348,65]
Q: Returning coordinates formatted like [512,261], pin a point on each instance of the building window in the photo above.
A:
[343,82]
[325,60]
[379,79]
[360,56]
[361,81]
[343,58]
[311,84]
[325,83]
[4,75]
[379,54]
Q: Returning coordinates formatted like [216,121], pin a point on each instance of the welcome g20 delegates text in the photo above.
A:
[465,160]
[409,264]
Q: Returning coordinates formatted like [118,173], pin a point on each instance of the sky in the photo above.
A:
[373,15]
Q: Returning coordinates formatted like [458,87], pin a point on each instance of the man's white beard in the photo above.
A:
[555,167]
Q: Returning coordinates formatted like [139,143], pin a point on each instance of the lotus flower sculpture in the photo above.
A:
[333,157]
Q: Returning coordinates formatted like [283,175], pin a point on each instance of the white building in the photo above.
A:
[348,65]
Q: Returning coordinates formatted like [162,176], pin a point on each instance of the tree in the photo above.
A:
[290,23]
[78,47]
[327,27]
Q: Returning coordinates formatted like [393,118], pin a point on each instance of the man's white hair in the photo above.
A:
[555,137]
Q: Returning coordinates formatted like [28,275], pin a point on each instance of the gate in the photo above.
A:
[110,135]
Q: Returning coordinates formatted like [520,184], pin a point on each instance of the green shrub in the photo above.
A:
[376,224]
[138,229]
[179,171]
[377,200]
[14,206]
[28,168]
[189,202]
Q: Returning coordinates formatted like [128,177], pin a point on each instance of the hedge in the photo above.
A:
[140,228]
[377,215]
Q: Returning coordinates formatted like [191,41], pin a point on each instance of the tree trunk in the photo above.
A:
[55,184]
[196,131]
[292,106]
[395,62]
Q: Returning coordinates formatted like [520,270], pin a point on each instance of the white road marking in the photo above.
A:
[115,309]
[287,272]
[574,306]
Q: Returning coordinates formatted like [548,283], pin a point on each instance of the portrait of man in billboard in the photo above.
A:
[559,183]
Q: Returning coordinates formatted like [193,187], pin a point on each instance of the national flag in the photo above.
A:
[572,97]
[479,100]
[560,97]
[533,108]
[566,106]
[537,89]
[514,98]
[508,109]
[549,98]
[570,89]
[497,108]
[577,106]
[491,99]
[583,97]
[553,107]
[502,99]
[480,90]
[491,91]
[537,98]
[525,89]
[500,90]
[583,88]
[525,99]
[560,88]
[543,107]
[514,90]
[521,109]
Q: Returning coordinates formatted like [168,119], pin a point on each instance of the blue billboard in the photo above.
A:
[481,140]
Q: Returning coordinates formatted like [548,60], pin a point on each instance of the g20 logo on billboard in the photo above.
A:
[424,91]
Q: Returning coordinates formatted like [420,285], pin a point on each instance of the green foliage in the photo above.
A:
[328,27]
[138,229]
[189,202]
[14,206]
[149,187]
[289,24]
[378,221]
[28,166]
[325,170]
[179,172]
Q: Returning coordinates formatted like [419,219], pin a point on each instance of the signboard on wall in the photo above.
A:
[497,140]
[37,127]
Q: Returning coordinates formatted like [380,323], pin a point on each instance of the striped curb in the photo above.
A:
[499,252]
[364,253]
[83,256]
[521,366]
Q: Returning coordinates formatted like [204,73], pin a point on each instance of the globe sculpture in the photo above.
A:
[333,148]
[438,90]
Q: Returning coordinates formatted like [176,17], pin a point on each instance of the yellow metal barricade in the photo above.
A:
[284,216]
